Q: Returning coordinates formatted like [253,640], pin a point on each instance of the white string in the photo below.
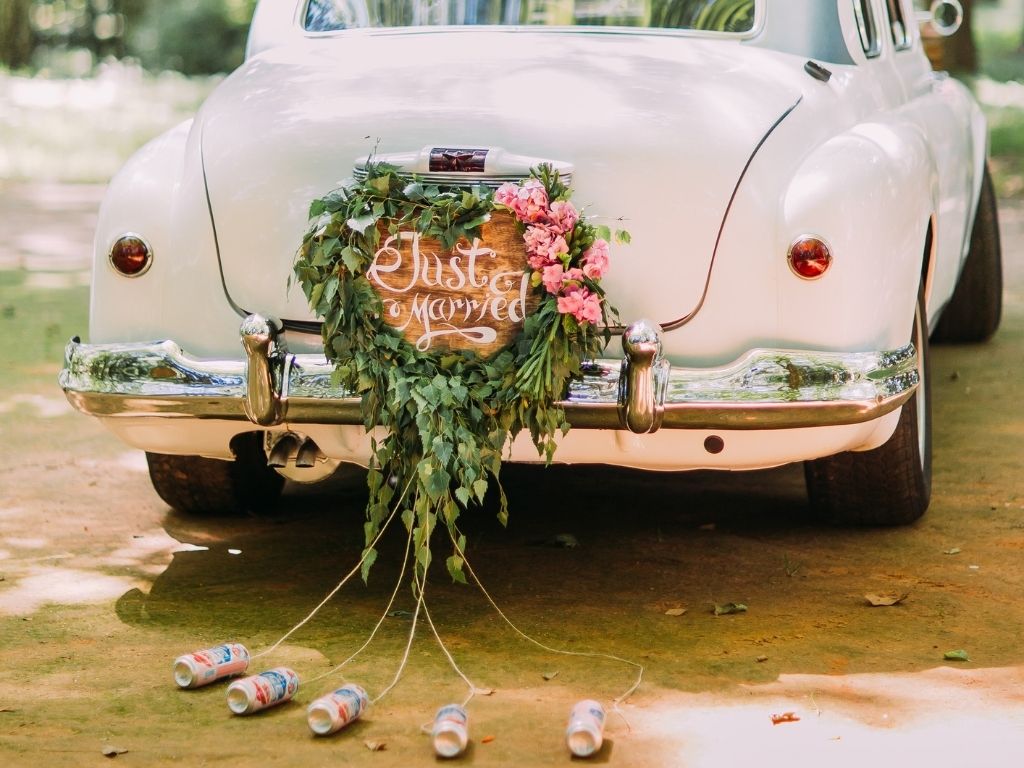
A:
[412,635]
[587,654]
[341,583]
[380,621]
[444,649]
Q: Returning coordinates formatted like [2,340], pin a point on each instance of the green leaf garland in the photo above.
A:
[448,415]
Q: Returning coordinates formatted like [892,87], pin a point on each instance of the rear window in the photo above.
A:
[731,16]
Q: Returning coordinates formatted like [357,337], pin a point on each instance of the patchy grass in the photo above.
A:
[1006,131]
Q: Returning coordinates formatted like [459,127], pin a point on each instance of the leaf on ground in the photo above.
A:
[109,750]
[550,675]
[483,691]
[953,551]
[785,717]
[376,746]
[888,598]
[675,611]
[563,541]
[7,709]
[398,613]
[761,659]
[487,739]
[957,655]
[723,609]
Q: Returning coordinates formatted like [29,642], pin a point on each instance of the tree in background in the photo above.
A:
[961,53]
[16,41]
[193,36]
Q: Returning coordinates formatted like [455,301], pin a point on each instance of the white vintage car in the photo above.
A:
[807,200]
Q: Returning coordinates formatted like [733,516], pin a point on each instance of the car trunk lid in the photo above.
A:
[658,130]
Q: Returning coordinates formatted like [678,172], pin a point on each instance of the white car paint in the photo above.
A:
[659,127]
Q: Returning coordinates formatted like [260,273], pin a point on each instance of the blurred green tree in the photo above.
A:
[194,36]
[16,42]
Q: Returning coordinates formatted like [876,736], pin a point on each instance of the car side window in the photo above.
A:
[901,39]
[867,28]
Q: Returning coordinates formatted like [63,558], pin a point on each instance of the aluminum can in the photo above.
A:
[585,732]
[334,711]
[256,692]
[450,733]
[194,670]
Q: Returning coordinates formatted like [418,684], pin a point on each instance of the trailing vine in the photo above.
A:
[449,415]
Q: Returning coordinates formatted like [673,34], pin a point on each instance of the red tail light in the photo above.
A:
[130,255]
[809,257]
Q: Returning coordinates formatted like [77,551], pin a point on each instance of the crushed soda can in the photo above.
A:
[332,712]
[450,733]
[194,670]
[256,692]
[585,732]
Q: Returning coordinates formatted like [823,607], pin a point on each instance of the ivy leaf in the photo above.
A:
[361,223]
[330,289]
[477,221]
[435,481]
[480,489]
[454,564]
[369,558]
[442,450]
[413,191]
[381,185]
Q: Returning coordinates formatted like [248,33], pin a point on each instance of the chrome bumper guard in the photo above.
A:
[765,389]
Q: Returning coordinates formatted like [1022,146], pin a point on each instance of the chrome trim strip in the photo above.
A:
[461,179]
[764,389]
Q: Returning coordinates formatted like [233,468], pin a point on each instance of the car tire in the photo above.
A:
[196,485]
[974,312]
[891,484]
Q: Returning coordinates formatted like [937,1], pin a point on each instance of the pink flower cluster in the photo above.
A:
[548,225]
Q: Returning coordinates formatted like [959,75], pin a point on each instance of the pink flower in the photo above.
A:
[529,202]
[595,260]
[571,303]
[506,194]
[590,312]
[552,278]
[544,244]
[573,274]
[563,216]
[581,304]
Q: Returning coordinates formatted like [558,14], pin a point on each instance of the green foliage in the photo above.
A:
[449,415]
[195,37]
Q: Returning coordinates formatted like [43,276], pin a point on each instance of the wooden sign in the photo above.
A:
[474,296]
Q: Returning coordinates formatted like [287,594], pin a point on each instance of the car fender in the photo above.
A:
[869,192]
[160,195]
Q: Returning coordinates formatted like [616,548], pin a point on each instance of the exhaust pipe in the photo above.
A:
[307,454]
[282,450]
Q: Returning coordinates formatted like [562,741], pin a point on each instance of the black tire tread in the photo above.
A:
[975,310]
[196,485]
[888,485]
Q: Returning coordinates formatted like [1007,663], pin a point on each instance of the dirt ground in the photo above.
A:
[101,586]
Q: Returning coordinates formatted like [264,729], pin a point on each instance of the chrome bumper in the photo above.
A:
[765,389]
